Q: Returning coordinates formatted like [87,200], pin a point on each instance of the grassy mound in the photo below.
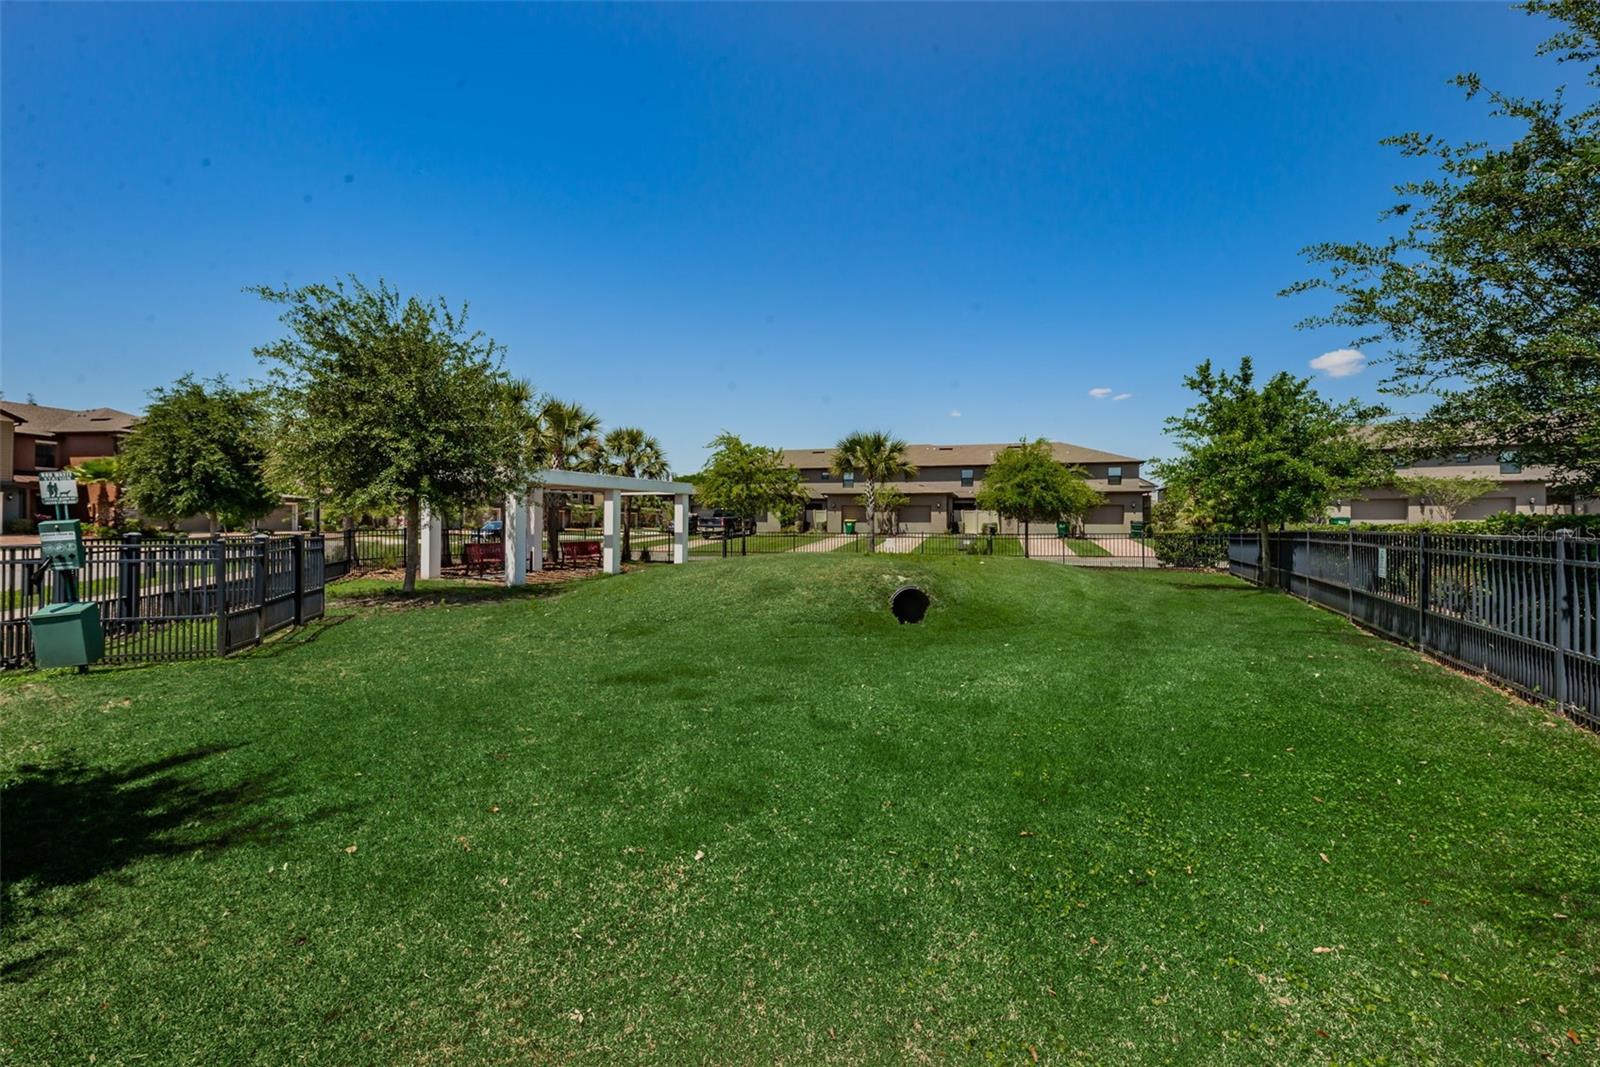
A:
[734,812]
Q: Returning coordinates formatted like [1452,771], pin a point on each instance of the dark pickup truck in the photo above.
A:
[722,524]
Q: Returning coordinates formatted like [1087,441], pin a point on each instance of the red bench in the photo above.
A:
[580,552]
[484,555]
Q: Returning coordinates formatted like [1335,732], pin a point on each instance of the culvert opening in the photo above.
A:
[909,604]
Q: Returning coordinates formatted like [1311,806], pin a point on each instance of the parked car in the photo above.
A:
[493,530]
[724,524]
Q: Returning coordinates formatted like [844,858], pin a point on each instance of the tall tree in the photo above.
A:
[1027,484]
[564,436]
[874,458]
[200,449]
[402,405]
[1261,456]
[631,452]
[746,480]
[1488,294]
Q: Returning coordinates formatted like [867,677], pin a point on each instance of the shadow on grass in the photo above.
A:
[69,828]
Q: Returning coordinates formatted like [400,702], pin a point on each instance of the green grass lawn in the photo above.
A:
[732,813]
[936,545]
[757,544]
[1082,546]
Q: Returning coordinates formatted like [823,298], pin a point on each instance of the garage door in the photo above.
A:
[1485,506]
[915,513]
[1104,515]
[1392,509]
[854,511]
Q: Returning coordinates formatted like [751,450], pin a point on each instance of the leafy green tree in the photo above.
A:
[399,404]
[1027,484]
[1256,457]
[198,450]
[1488,293]
[1442,497]
[563,436]
[631,452]
[747,480]
[888,502]
[875,458]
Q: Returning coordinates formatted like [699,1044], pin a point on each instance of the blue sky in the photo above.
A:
[789,222]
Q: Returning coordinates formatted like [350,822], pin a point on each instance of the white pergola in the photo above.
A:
[525,521]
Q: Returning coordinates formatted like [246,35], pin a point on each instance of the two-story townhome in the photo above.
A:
[1518,489]
[942,495]
[40,438]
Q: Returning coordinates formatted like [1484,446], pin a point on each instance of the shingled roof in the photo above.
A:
[47,421]
[960,455]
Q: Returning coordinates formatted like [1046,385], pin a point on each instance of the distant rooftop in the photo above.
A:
[960,455]
[43,420]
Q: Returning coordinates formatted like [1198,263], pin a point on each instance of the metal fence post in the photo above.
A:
[1564,620]
[128,578]
[258,590]
[1349,573]
[744,545]
[219,551]
[298,552]
[724,544]
[350,548]
[1422,590]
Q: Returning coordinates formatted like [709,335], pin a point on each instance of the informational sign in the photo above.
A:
[1340,520]
[57,487]
[1383,562]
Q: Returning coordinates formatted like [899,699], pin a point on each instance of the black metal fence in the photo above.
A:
[170,599]
[1208,551]
[1522,610]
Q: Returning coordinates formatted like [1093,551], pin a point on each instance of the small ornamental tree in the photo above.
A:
[1262,456]
[747,480]
[1442,498]
[200,449]
[889,500]
[1027,484]
[398,402]
[875,458]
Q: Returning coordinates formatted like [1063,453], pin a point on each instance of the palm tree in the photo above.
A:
[630,451]
[100,472]
[874,458]
[563,436]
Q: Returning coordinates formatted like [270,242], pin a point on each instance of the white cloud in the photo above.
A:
[955,414]
[1122,396]
[1101,393]
[1340,363]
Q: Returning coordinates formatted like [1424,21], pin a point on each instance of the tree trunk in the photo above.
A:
[872,517]
[1264,573]
[552,525]
[413,528]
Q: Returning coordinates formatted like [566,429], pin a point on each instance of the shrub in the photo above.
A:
[1189,549]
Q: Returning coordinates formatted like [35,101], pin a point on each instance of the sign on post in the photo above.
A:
[57,487]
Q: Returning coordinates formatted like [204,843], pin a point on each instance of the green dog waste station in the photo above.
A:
[67,634]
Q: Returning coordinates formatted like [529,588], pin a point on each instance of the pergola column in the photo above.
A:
[536,529]
[680,528]
[431,545]
[515,532]
[611,548]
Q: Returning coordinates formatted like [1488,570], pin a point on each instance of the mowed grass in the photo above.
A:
[734,813]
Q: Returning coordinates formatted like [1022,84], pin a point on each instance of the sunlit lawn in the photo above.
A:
[732,813]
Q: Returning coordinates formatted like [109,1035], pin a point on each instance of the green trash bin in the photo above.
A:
[849,526]
[67,635]
[1061,528]
[1136,529]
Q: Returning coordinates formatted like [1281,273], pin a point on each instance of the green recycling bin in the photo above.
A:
[67,635]
[1136,529]
[850,526]
[1061,528]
